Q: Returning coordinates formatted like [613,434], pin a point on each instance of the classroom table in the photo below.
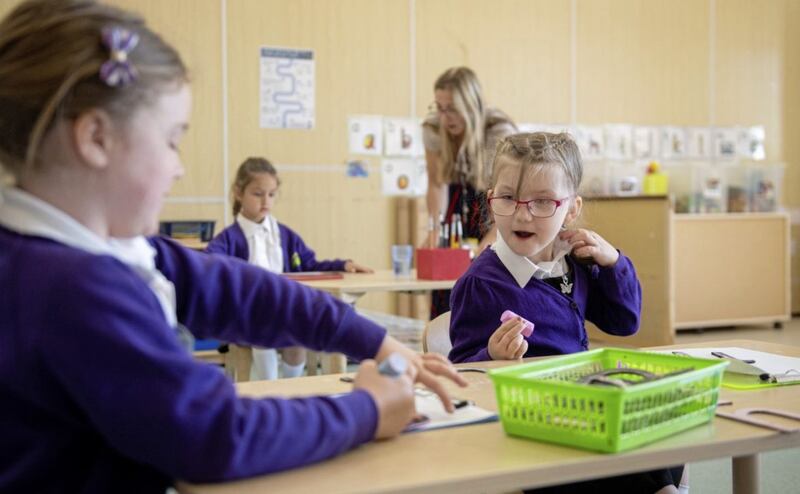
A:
[355,285]
[481,458]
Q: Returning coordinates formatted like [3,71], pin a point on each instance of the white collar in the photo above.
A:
[523,269]
[250,227]
[27,214]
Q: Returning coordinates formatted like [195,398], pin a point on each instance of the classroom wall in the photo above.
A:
[684,62]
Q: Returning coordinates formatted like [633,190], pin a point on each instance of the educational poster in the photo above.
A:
[698,142]
[590,141]
[402,137]
[365,134]
[673,143]
[646,142]
[404,177]
[286,88]
[750,143]
[725,140]
[618,141]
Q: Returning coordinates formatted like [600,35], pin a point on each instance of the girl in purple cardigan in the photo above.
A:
[256,237]
[97,392]
[546,273]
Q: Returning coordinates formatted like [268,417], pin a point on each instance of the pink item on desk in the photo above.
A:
[527,328]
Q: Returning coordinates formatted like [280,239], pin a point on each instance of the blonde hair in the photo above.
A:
[533,150]
[244,175]
[468,100]
[50,58]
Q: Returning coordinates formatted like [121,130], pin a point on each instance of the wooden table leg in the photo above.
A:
[334,363]
[312,362]
[238,361]
[745,474]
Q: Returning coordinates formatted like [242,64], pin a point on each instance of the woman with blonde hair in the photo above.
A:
[460,135]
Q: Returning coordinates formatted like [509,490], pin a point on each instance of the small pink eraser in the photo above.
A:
[527,328]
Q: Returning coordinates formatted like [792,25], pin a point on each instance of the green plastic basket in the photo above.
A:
[543,400]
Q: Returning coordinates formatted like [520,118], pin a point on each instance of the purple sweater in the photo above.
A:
[611,298]
[296,254]
[98,395]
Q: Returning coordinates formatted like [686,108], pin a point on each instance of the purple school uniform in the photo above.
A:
[296,254]
[611,298]
[98,395]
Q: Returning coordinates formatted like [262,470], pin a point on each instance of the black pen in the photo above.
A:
[461,403]
[725,355]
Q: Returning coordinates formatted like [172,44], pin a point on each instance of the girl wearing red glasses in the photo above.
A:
[549,275]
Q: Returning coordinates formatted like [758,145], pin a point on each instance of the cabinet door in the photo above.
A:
[640,228]
[731,269]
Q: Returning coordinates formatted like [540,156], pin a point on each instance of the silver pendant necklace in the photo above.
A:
[566,285]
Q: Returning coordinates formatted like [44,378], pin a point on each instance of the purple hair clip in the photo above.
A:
[118,71]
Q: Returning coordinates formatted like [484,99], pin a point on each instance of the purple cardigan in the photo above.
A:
[296,254]
[611,298]
[98,395]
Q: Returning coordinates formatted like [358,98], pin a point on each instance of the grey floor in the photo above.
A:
[780,470]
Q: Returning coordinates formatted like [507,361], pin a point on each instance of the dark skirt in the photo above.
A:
[634,483]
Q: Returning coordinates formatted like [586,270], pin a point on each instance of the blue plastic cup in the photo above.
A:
[401,260]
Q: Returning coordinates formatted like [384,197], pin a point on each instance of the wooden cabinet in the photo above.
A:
[640,227]
[697,270]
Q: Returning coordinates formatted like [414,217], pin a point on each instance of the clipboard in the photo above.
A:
[749,369]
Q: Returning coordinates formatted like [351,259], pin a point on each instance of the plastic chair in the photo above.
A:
[436,336]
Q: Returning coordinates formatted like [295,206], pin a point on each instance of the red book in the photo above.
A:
[314,275]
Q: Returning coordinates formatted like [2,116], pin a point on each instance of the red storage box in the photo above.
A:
[441,264]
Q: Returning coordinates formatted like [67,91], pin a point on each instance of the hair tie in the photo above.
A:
[118,71]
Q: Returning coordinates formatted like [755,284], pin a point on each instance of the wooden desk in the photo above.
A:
[355,285]
[481,458]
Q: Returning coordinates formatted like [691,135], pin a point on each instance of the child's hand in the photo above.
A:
[394,398]
[507,342]
[588,245]
[425,368]
[352,267]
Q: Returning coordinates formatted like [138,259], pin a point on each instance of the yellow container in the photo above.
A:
[655,182]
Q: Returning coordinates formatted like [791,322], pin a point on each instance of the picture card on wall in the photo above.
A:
[750,143]
[725,142]
[698,142]
[402,137]
[365,134]
[619,141]
[404,177]
[673,142]
[646,142]
[590,142]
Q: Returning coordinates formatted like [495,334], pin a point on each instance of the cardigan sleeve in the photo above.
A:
[227,299]
[299,252]
[615,298]
[221,244]
[112,353]
[471,325]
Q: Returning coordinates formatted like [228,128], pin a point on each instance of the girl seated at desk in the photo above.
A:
[552,276]
[257,237]
[97,393]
